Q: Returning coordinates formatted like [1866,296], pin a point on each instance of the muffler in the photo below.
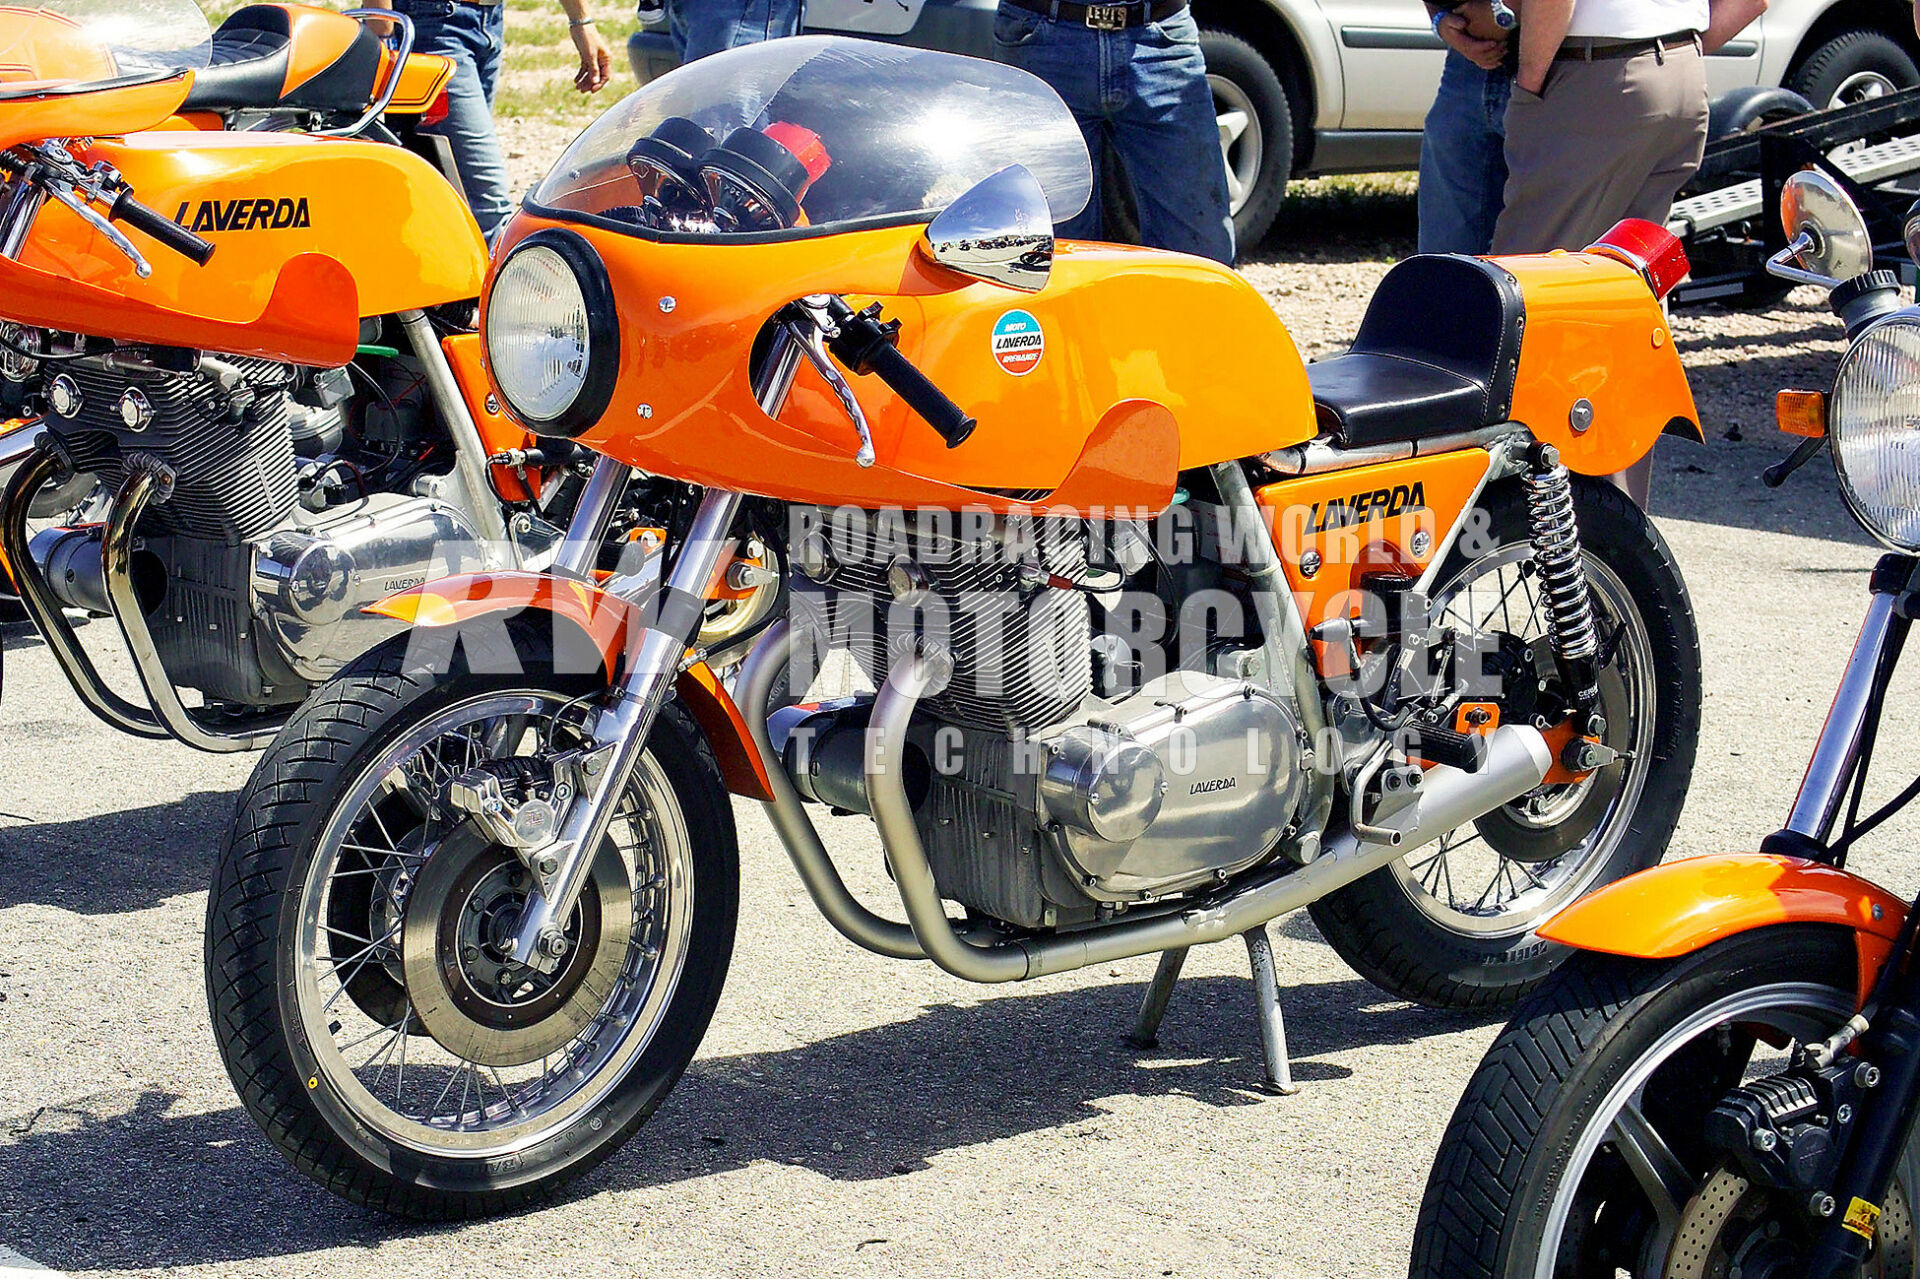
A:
[1517,761]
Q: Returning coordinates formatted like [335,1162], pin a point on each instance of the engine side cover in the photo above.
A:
[1192,776]
[313,577]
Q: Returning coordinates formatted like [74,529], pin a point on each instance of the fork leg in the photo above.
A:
[1273,1029]
[1146,1030]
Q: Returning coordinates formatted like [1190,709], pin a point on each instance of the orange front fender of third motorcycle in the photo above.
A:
[606,621]
[1679,907]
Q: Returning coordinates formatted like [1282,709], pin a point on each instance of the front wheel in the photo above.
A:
[377,1028]
[1580,1147]
[1453,923]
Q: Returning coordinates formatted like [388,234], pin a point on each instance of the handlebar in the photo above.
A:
[867,345]
[158,226]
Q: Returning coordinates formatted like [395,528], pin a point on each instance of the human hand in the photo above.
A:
[1485,54]
[596,60]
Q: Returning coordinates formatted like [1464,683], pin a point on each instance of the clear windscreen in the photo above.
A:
[816,133]
[70,45]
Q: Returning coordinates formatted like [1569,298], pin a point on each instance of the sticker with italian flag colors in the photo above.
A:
[1018,343]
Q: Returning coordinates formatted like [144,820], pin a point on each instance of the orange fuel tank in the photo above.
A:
[1128,366]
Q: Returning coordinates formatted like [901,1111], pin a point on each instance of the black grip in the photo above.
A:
[158,226]
[921,395]
[1464,751]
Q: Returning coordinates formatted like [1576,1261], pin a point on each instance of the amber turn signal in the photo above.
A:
[1802,413]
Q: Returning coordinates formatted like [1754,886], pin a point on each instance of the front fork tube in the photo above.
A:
[620,733]
[1878,1137]
[1835,756]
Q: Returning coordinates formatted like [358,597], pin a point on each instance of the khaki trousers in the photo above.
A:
[1609,139]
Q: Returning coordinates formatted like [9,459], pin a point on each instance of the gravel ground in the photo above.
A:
[851,1116]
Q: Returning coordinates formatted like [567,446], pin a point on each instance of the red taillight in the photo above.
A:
[437,109]
[1650,249]
[805,146]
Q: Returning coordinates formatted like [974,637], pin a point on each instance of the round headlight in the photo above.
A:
[1875,426]
[552,345]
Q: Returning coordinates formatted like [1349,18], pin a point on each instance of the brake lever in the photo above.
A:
[812,338]
[63,191]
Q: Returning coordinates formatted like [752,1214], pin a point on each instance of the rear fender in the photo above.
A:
[1683,906]
[607,623]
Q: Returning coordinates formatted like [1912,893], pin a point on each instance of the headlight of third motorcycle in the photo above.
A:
[1875,425]
[553,345]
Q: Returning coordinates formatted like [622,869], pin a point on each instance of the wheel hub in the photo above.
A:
[467,990]
[1732,1229]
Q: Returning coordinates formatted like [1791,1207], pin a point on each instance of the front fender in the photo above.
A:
[608,623]
[1682,906]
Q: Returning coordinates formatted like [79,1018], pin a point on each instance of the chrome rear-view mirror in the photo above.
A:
[1000,230]
[1827,234]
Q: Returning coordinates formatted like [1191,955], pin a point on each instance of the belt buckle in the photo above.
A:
[1107,17]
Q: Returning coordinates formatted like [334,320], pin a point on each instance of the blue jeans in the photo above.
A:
[1463,160]
[1143,92]
[473,36]
[703,27]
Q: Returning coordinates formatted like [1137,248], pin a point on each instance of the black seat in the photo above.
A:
[1436,354]
[248,68]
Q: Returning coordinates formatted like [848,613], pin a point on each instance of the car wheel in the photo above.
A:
[1256,143]
[1852,67]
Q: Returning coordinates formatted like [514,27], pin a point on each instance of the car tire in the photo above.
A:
[1852,67]
[1259,159]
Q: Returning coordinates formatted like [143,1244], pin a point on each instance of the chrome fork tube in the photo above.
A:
[620,733]
[1823,789]
[587,530]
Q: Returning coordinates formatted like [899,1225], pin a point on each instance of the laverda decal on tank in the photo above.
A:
[1133,651]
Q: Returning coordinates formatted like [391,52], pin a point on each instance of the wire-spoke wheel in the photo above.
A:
[373,1014]
[1453,922]
[1580,1147]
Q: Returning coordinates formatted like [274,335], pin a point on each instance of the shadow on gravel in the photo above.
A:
[113,862]
[118,1181]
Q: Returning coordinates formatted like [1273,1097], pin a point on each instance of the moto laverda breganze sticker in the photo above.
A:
[1018,343]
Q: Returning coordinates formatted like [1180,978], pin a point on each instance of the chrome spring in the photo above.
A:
[1554,531]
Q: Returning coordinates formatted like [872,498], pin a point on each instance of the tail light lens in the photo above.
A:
[1648,248]
[437,109]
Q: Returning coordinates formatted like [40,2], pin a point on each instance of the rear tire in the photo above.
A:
[286,1074]
[1400,944]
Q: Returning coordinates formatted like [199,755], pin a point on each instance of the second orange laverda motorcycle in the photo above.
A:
[1171,633]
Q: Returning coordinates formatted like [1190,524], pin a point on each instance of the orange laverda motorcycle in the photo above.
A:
[1171,634]
[254,409]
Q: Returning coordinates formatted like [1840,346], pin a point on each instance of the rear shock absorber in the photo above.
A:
[1553,529]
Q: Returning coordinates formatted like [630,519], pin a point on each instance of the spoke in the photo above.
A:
[1232,125]
[1661,1176]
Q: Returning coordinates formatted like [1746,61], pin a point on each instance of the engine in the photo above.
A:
[1046,787]
[281,523]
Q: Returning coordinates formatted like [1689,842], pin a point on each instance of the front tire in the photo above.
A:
[1452,924]
[1581,1130]
[341,843]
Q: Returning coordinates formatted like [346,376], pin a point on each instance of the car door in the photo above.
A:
[1390,60]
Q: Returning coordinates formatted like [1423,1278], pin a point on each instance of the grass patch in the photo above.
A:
[1363,215]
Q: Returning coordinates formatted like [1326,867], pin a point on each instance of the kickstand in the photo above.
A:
[1146,1030]
[1273,1029]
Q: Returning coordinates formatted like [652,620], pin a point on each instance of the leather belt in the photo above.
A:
[1103,17]
[1597,49]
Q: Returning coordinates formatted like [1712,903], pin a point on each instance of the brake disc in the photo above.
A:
[1730,1226]
[470,996]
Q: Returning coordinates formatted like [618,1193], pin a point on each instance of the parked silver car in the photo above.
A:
[1310,87]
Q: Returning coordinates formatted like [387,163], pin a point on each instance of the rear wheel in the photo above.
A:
[1580,1149]
[1452,924]
[367,1008]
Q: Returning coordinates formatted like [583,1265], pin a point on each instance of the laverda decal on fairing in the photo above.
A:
[264,214]
[1371,505]
[1018,343]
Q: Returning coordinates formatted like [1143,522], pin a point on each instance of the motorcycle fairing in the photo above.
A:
[607,623]
[1118,327]
[1682,906]
[399,234]
[1595,333]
